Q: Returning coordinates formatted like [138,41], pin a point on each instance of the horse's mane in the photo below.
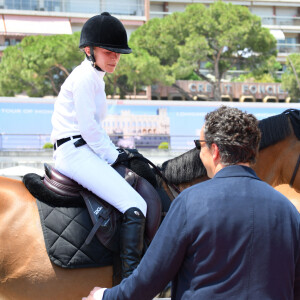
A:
[276,128]
[184,168]
[188,166]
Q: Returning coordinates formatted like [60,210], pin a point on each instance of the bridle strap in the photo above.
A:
[295,172]
[157,170]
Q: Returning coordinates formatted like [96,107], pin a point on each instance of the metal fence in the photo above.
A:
[23,141]
[11,142]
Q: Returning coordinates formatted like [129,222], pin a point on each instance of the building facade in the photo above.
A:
[231,91]
[143,131]
[20,18]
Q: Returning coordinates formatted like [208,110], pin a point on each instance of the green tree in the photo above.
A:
[290,78]
[133,72]
[39,65]
[266,72]
[219,36]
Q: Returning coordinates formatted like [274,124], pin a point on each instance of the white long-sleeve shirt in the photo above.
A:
[80,108]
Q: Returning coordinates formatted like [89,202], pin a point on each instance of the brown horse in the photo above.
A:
[26,272]
[279,155]
[277,163]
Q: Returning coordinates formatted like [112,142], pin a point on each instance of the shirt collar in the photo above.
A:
[88,64]
[236,171]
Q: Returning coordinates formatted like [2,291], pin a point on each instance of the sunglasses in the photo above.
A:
[197,143]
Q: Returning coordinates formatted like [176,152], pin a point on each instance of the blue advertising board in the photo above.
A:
[26,122]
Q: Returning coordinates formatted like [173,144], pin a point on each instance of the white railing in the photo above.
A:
[77,6]
[23,141]
[36,159]
[159,14]
[288,48]
[280,20]
[33,142]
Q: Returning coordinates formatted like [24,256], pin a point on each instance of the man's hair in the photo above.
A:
[236,134]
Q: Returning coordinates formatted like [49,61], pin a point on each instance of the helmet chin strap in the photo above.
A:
[93,61]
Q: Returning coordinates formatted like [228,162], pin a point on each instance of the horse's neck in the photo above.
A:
[8,187]
[185,185]
[275,164]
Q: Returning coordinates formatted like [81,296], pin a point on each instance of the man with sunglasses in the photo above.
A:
[231,237]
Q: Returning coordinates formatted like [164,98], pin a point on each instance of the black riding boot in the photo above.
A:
[132,238]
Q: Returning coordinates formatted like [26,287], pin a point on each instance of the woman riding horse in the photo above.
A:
[83,150]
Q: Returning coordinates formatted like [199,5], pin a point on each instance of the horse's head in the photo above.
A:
[185,170]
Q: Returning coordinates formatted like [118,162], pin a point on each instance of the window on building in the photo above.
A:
[21,4]
[52,5]
[291,40]
[127,7]
[11,41]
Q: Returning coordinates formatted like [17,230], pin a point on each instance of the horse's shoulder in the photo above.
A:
[13,189]
[9,183]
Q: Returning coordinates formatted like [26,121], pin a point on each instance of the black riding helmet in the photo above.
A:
[104,31]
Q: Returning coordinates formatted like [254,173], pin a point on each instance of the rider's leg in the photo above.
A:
[85,167]
[132,237]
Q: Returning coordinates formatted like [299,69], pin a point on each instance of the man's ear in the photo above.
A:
[87,51]
[215,152]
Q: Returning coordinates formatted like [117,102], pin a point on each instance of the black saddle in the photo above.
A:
[106,218]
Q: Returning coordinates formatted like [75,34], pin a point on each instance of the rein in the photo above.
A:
[172,187]
[295,172]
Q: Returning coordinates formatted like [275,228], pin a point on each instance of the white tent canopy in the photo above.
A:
[20,171]
[278,34]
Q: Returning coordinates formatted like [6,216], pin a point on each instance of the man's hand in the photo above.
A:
[95,294]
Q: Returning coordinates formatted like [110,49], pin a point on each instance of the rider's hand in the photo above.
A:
[125,155]
[95,294]
[122,157]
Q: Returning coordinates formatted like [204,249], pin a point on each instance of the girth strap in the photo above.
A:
[295,172]
[172,186]
[103,216]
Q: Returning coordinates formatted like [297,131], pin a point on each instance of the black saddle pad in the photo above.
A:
[65,230]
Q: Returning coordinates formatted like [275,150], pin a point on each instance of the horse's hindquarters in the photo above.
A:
[63,284]
[26,272]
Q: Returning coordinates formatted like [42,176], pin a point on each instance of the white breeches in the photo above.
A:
[84,166]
